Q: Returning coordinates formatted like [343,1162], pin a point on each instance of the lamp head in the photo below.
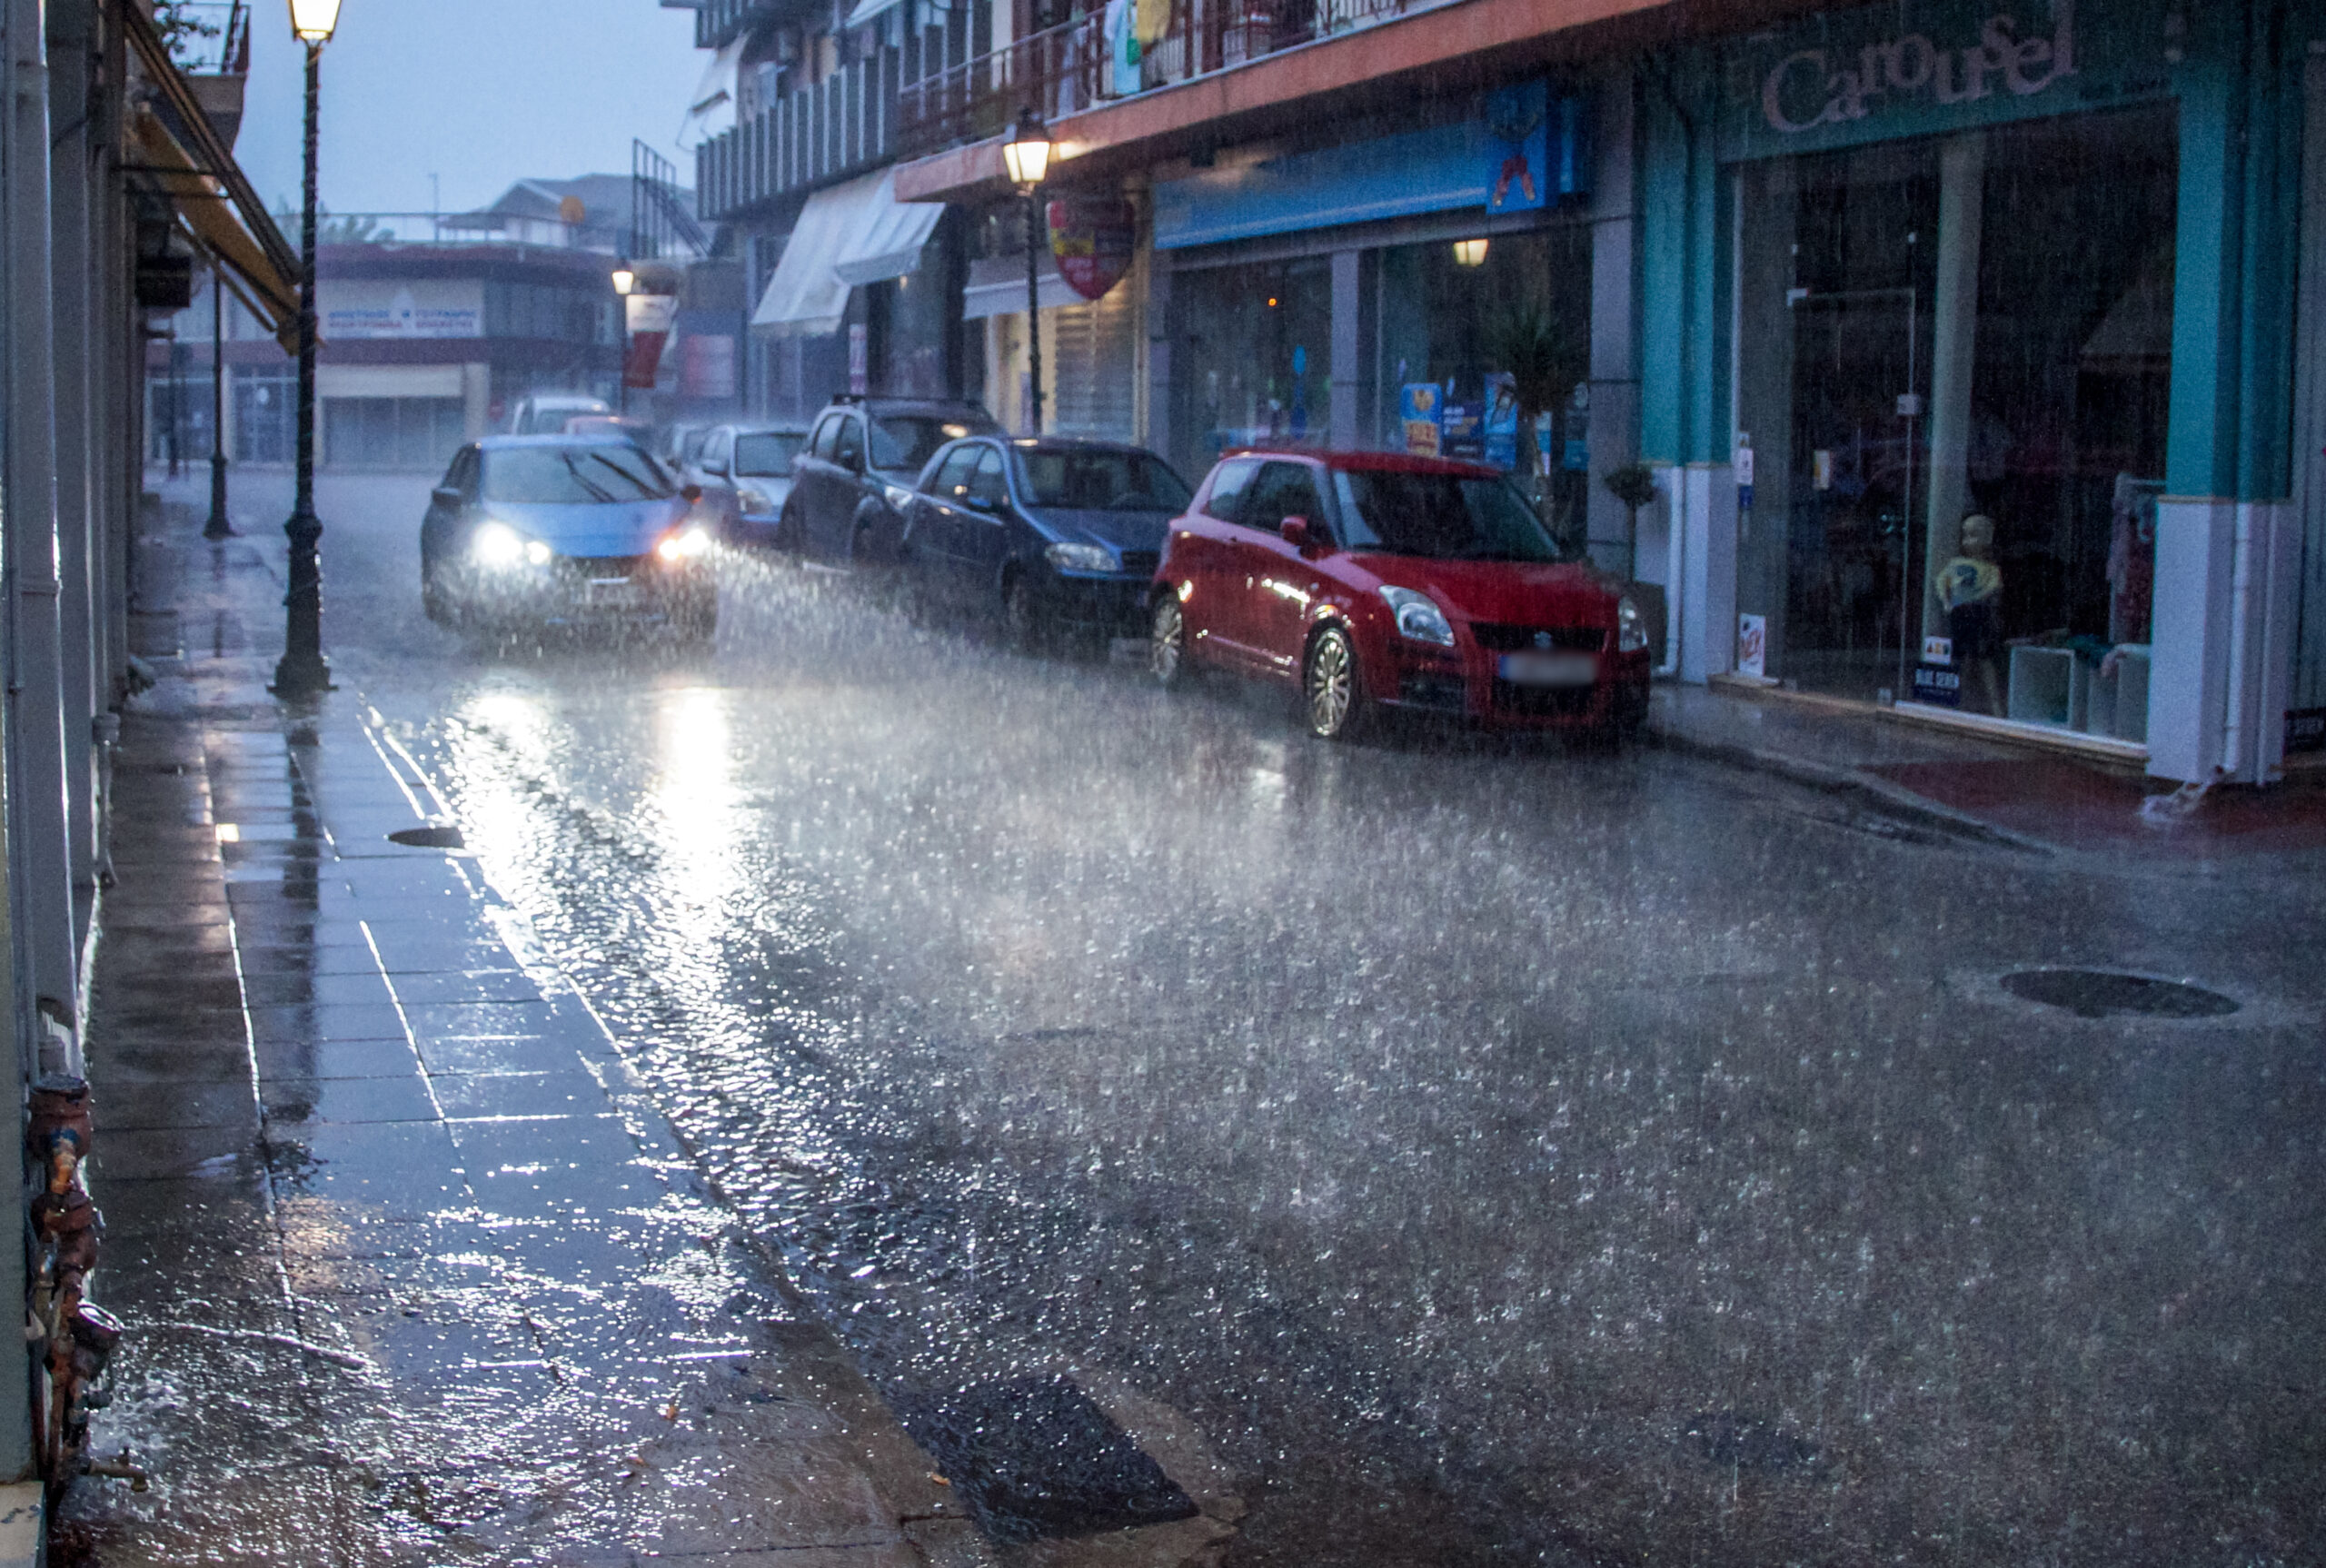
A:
[1027,153]
[1470,252]
[313,21]
[625,279]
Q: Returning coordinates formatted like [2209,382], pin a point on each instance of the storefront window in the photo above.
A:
[1953,361]
[1256,356]
[1504,341]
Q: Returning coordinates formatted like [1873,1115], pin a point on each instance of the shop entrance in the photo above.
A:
[1857,391]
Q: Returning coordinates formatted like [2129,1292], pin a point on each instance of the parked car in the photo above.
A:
[532,531]
[1051,535]
[1373,581]
[680,445]
[546,414]
[637,432]
[860,465]
[747,467]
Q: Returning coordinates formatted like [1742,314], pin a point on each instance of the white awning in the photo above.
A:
[853,234]
[997,287]
[713,109]
[887,242]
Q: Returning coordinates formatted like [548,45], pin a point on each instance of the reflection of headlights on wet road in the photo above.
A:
[1631,627]
[684,544]
[1081,557]
[498,544]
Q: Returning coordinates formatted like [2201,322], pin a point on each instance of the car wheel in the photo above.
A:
[1021,616]
[1166,643]
[1332,692]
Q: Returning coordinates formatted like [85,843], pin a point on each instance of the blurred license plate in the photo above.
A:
[1549,669]
[613,591]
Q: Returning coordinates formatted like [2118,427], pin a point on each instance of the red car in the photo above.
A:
[1374,580]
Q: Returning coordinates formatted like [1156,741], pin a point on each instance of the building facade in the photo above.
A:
[1842,280]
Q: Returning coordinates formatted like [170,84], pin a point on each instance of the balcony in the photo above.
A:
[1065,70]
[844,124]
[716,22]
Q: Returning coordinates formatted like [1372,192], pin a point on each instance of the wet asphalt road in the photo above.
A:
[1499,1154]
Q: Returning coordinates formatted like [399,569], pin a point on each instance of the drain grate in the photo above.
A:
[1035,1457]
[2110,993]
[435,836]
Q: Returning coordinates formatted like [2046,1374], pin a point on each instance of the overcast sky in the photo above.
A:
[479,93]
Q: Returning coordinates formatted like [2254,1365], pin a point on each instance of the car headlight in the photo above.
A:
[683,544]
[1631,627]
[1081,557]
[498,544]
[899,496]
[1418,617]
[751,499]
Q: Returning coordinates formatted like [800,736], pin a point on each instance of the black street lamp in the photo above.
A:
[217,527]
[303,673]
[1027,156]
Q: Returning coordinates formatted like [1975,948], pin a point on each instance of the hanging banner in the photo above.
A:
[648,320]
[1093,239]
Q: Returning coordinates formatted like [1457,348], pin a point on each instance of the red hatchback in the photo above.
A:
[1374,580]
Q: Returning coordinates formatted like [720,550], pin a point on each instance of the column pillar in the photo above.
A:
[1347,351]
[1614,439]
[70,40]
[1955,334]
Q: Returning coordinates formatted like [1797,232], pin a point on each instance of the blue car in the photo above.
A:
[528,533]
[1053,535]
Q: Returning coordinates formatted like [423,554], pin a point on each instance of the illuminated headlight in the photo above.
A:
[498,544]
[752,500]
[1418,617]
[899,496]
[1631,627]
[1081,557]
[684,545]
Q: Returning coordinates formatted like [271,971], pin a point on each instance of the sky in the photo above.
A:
[479,92]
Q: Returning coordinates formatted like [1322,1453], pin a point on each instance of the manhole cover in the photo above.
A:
[435,836]
[2107,993]
[1037,1458]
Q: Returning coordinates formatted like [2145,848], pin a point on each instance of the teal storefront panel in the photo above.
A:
[1433,171]
[1924,67]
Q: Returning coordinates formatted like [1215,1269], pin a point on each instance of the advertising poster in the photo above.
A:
[1753,646]
[1936,681]
[1502,421]
[1462,428]
[1418,405]
[1518,143]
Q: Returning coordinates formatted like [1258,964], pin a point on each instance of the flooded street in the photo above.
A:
[1495,1152]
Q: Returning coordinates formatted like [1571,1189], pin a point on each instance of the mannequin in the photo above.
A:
[1970,588]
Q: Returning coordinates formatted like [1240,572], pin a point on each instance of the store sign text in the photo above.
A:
[1842,89]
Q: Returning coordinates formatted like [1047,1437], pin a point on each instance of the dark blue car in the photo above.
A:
[1052,535]
[535,532]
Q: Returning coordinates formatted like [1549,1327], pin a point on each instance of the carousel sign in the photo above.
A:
[1814,87]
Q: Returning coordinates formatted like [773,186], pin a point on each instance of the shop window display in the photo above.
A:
[1971,327]
[1256,356]
[1506,342]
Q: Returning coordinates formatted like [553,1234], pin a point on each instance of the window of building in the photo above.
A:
[1256,344]
[1990,543]
[391,433]
[265,413]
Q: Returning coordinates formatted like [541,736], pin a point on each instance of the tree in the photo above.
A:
[180,28]
[1531,345]
[1634,484]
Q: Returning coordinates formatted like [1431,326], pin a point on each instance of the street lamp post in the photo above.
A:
[217,527]
[303,673]
[1027,156]
[625,280]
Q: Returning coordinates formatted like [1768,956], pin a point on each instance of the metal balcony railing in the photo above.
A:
[208,37]
[1069,68]
[846,123]
[457,229]
[716,22]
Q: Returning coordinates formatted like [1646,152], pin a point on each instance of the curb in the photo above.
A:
[1873,794]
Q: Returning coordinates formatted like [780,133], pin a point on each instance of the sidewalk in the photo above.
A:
[1991,790]
[412,1270]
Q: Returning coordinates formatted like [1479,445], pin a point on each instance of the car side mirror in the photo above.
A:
[689,493]
[1299,535]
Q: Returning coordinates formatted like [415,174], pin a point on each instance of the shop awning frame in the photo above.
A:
[846,235]
[193,169]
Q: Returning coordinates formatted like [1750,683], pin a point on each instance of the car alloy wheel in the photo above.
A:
[1329,685]
[1167,642]
[1022,620]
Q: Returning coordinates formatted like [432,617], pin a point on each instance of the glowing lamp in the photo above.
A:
[1027,153]
[1470,252]
[313,20]
[625,280]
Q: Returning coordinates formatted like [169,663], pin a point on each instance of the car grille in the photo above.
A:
[1544,701]
[1497,638]
[1141,562]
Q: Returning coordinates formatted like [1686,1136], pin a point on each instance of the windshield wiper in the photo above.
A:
[580,478]
[635,482]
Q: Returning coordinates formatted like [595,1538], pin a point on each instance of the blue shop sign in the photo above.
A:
[1921,67]
[1530,151]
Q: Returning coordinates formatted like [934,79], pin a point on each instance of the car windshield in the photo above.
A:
[910,439]
[766,455]
[1100,480]
[1442,516]
[573,475]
